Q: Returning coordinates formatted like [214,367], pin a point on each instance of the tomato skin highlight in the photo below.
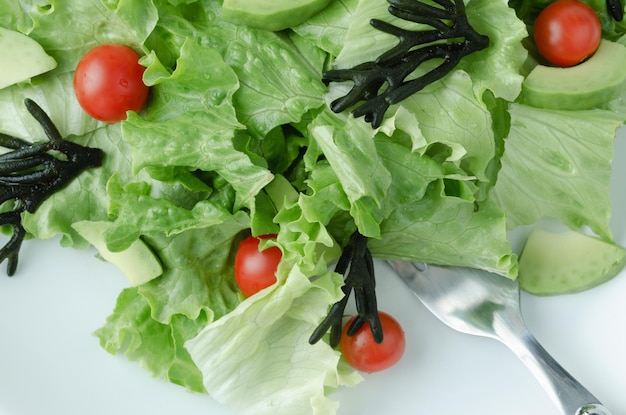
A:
[108,82]
[254,269]
[363,353]
[567,32]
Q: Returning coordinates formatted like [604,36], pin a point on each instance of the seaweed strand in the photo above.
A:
[31,173]
[615,9]
[357,266]
[386,81]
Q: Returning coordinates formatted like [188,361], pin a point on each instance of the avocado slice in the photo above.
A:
[565,262]
[273,15]
[591,84]
[138,263]
[22,58]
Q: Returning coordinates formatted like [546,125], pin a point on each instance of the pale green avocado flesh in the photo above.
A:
[21,58]
[565,262]
[273,15]
[138,263]
[591,84]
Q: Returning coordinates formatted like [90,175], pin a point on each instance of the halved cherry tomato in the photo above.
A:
[567,32]
[363,353]
[108,82]
[254,269]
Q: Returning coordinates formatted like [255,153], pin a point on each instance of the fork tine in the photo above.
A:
[463,298]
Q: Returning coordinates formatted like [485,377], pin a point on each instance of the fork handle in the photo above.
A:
[566,393]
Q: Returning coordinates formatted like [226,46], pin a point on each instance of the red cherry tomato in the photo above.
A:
[567,32]
[363,353]
[108,82]
[254,269]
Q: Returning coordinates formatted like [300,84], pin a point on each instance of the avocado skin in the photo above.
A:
[591,84]
[272,15]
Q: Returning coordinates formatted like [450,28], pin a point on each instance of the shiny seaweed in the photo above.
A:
[357,266]
[389,79]
[32,172]
[615,9]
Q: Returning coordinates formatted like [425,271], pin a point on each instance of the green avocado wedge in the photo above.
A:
[138,263]
[273,15]
[566,262]
[21,58]
[591,84]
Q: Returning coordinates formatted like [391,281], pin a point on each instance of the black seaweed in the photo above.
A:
[31,173]
[357,266]
[615,9]
[451,38]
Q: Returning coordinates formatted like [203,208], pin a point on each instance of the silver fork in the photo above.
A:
[480,303]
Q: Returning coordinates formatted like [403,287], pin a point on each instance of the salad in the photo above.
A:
[239,137]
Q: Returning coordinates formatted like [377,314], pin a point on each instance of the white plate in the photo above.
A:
[51,364]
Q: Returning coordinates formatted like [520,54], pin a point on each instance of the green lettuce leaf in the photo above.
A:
[195,101]
[455,118]
[557,164]
[13,15]
[259,356]
[327,29]
[138,213]
[157,347]
[199,275]
[67,29]
[151,323]
[352,154]
[448,230]
[497,68]
[267,96]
